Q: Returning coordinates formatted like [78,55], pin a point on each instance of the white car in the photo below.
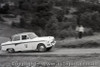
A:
[28,41]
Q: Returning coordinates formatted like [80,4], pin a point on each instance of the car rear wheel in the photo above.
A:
[41,48]
[10,50]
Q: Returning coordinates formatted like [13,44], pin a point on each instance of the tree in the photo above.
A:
[22,22]
[52,26]
[5,9]
[91,20]
[42,13]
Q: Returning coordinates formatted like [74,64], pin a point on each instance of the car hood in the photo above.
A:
[8,42]
[46,38]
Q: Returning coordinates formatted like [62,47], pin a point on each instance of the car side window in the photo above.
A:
[25,37]
[16,38]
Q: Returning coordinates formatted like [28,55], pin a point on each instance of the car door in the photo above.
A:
[19,46]
[26,42]
[33,41]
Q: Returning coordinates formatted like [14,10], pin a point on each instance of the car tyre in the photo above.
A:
[10,50]
[41,48]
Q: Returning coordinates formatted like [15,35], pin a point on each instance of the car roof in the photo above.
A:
[24,33]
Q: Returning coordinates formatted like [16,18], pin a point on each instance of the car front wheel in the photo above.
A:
[41,48]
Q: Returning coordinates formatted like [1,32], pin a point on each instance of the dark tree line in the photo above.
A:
[44,19]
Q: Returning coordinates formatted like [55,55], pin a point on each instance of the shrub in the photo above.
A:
[72,33]
[14,24]
[65,33]
[22,23]
[88,31]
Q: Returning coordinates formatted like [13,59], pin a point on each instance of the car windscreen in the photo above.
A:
[15,38]
[31,36]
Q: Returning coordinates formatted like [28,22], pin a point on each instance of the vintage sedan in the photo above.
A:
[28,41]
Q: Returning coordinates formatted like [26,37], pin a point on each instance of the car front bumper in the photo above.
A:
[52,44]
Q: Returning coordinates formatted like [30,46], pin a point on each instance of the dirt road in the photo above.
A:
[56,51]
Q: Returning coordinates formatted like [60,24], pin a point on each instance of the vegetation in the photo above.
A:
[57,17]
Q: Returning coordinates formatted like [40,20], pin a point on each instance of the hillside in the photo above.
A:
[7,31]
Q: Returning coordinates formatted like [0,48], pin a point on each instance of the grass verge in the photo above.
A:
[85,42]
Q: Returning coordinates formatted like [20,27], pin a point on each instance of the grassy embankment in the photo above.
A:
[85,42]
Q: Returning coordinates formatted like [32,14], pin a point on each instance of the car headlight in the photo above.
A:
[48,43]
